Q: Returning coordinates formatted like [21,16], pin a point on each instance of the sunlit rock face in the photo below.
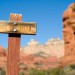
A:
[33,42]
[47,54]
[3,57]
[2,52]
[69,35]
[69,29]
[53,47]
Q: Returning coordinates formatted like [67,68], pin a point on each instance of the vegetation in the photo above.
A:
[72,66]
[2,72]
[67,70]
[37,72]
[21,73]
[55,71]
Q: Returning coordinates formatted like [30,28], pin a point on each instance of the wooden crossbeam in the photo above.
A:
[18,27]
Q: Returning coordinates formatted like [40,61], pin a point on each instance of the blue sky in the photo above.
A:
[46,13]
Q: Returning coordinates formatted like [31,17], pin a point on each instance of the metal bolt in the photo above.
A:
[15,23]
[14,30]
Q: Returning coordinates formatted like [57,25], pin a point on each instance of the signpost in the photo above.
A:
[15,28]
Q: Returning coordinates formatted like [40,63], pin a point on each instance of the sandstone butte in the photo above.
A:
[69,35]
[30,61]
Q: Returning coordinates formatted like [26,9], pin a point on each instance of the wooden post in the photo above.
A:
[13,48]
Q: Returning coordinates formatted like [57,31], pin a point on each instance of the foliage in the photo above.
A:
[56,71]
[21,73]
[68,70]
[72,66]
[2,72]
[37,72]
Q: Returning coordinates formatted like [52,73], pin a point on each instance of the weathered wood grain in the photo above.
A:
[18,27]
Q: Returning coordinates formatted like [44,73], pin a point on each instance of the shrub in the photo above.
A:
[72,66]
[2,72]
[21,73]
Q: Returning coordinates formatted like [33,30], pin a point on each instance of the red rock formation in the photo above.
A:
[51,62]
[32,61]
[2,52]
[69,35]
[3,58]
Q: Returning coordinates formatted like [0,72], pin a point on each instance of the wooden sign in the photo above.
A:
[17,27]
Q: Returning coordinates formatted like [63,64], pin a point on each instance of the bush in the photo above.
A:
[72,66]
[2,72]
[21,73]
[56,71]
[37,72]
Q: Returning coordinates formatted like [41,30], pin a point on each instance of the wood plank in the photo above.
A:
[18,27]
